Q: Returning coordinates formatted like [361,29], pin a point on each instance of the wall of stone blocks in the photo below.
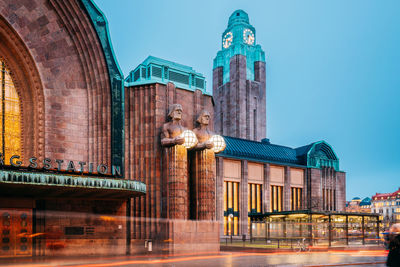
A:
[194,236]
[240,108]
[341,191]
[314,189]
[55,44]
[244,179]
[146,109]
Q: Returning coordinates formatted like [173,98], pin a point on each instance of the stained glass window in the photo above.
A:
[10,115]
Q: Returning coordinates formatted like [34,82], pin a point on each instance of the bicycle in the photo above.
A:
[302,246]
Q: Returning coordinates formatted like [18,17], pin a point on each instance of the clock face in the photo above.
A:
[227,41]
[248,36]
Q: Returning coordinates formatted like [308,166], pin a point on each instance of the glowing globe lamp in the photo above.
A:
[219,143]
[190,139]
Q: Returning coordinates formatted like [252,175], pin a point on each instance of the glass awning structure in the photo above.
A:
[319,228]
[40,184]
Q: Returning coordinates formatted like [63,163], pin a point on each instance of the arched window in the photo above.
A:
[10,115]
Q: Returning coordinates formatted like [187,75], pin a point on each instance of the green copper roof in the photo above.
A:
[238,26]
[238,17]
[259,151]
[314,155]
[365,202]
[319,154]
[157,70]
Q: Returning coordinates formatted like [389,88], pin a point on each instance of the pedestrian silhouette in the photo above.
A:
[393,258]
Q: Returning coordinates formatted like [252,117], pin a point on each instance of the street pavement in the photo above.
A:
[310,259]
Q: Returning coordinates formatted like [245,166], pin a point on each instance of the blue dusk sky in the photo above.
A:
[333,69]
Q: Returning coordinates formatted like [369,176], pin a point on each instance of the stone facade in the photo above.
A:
[239,90]
[240,104]
[69,83]
[61,75]
[239,82]
[202,190]
[146,111]
[311,182]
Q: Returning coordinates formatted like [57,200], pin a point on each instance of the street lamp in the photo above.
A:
[218,142]
[190,139]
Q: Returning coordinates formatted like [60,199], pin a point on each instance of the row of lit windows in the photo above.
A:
[397,210]
[386,203]
[254,202]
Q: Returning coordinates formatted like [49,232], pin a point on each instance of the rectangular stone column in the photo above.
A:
[315,189]
[176,177]
[266,189]
[286,189]
[244,198]
[220,193]
[341,191]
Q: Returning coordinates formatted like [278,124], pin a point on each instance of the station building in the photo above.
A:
[62,184]
[84,170]
[255,176]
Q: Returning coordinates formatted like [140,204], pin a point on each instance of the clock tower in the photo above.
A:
[239,82]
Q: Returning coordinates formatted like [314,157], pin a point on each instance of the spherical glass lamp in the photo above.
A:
[219,143]
[190,139]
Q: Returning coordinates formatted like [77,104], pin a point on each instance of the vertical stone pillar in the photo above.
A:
[341,191]
[175,158]
[307,189]
[220,191]
[244,198]
[266,188]
[286,189]
[261,121]
[304,202]
[315,189]
[237,74]
[203,185]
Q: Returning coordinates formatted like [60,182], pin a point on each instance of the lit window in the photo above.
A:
[254,200]
[329,199]
[10,125]
[296,198]
[231,208]
[276,198]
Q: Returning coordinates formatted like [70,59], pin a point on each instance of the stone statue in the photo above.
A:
[202,188]
[175,164]
[171,130]
[202,133]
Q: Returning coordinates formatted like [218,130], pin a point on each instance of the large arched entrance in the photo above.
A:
[21,133]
